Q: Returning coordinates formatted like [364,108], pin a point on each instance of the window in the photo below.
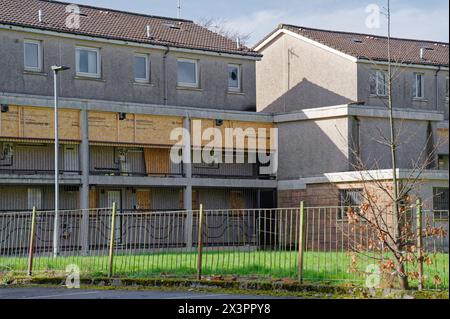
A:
[32,55]
[88,62]
[141,68]
[378,83]
[440,202]
[234,77]
[418,85]
[188,73]
[348,198]
[443,162]
[446,88]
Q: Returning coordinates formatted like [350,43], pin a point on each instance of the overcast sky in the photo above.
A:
[418,19]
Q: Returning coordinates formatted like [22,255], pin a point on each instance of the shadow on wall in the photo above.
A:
[305,95]
[311,148]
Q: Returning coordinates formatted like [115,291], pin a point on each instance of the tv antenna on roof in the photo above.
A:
[179,9]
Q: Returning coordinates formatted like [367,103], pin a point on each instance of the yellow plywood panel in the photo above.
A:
[93,198]
[126,131]
[69,124]
[37,122]
[157,161]
[250,129]
[103,126]
[144,199]
[152,129]
[10,122]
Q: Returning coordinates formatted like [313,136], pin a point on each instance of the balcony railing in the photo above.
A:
[32,171]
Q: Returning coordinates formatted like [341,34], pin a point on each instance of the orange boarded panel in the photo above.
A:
[10,122]
[93,198]
[103,126]
[152,129]
[237,200]
[250,133]
[144,199]
[157,161]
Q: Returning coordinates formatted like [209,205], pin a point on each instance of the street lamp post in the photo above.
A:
[55,70]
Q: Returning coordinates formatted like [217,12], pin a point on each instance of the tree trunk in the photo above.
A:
[403,278]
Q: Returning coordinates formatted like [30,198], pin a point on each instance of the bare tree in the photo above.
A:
[389,222]
[219,26]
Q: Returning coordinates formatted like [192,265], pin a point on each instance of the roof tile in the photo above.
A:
[118,25]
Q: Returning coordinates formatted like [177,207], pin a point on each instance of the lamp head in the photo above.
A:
[57,68]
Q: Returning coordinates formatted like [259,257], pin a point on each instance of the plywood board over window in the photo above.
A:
[93,198]
[237,200]
[157,161]
[135,128]
[144,199]
[195,200]
[37,122]
[250,141]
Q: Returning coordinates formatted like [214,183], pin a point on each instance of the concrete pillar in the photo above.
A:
[84,191]
[187,169]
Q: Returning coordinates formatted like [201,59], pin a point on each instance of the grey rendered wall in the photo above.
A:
[307,77]
[314,147]
[412,140]
[403,89]
[117,81]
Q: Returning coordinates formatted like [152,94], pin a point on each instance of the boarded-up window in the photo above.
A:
[237,200]
[195,200]
[144,199]
[157,161]
[93,198]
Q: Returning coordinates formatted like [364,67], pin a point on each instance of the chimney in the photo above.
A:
[422,53]
[238,43]
[148,31]
[40,16]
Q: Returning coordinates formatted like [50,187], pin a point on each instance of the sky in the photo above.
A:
[416,19]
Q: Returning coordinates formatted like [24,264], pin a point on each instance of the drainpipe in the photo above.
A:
[436,102]
[165,73]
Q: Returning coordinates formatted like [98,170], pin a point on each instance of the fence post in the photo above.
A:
[31,248]
[419,241]
[301,242]
[111,241]
[200,243]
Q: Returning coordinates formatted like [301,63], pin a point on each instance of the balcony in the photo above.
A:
[37,159]
[117,161]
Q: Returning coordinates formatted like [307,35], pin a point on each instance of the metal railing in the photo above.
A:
[312,244]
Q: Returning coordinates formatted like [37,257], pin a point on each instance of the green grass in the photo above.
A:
[330,267]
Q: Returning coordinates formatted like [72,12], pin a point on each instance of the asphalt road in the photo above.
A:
[64,293]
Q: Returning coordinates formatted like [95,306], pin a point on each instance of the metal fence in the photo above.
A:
[250,243]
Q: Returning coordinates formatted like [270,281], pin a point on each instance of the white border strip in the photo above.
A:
[358,176]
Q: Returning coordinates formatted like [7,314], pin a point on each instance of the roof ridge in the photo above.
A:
[117,10]
[282,25]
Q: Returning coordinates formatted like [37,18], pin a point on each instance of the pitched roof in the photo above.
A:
[373,47]
[118,25]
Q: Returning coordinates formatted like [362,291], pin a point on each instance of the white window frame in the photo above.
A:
[147,67]
[39,44]
[447,88]
[77,66]
[422,86]
[238,88]
[378,84]
[197,78]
